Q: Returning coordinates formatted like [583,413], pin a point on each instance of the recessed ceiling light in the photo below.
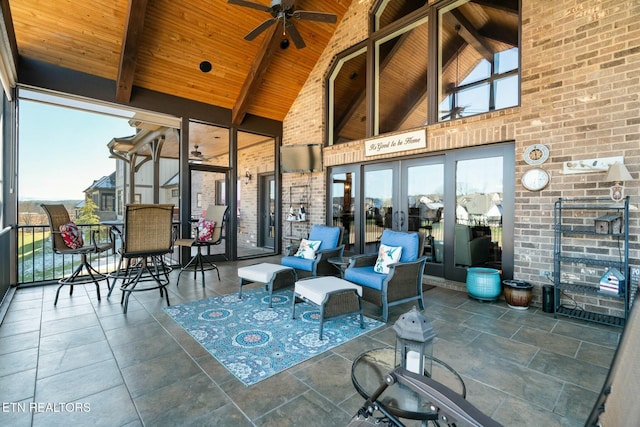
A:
[205,66]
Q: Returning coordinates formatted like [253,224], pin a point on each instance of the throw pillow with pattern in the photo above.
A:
[308,248]
[71,235]
[205,230]
[387,255]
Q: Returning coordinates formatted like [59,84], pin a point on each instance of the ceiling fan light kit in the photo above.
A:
[284,11]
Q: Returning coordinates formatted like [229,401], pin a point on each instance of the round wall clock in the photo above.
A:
[536,154]
[535,179]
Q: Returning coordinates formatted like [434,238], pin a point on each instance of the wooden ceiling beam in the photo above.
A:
[510,6]
[133,28]
[470,34]
[260,65]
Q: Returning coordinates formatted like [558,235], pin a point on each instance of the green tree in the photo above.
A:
[87,213]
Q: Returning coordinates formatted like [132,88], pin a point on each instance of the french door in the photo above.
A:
[462,201]
[406,195]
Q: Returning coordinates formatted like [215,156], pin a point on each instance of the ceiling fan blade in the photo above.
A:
[315,16]
[295,35]
[250,4]
[259,29]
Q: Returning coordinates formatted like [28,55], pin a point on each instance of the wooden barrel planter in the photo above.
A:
[517,293]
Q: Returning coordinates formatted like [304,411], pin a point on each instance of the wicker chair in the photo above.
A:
[330,246]
[58,216]
[403,283]
[217,215]
[147,237]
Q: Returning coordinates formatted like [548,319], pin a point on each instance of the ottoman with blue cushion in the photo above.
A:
[273,276]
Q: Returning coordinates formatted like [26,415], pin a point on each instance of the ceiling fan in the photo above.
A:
[455,112]
[197,154]
[283,10]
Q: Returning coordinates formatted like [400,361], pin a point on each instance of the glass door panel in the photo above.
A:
[255,194]
[267,225]
[208,188]
[380,203]
[478,223]
[343,206]
[423,195]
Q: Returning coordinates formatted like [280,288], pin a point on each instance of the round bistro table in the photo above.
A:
[369,370]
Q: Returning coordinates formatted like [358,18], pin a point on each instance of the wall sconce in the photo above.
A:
[247,177]
[618,173]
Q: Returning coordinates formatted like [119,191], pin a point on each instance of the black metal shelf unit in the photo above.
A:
[298,196]
[576,234]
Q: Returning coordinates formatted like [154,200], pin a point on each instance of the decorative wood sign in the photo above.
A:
[396,143]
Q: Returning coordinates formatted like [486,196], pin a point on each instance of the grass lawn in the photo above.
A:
[29,243]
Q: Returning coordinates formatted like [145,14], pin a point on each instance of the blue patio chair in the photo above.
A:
[402,283]
[315,263]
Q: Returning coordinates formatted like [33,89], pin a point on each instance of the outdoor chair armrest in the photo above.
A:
[330,252]
[102,246]
[363,260]
[323,268]
[291,250]
[94,241]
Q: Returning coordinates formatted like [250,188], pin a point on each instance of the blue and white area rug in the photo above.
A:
[254,341]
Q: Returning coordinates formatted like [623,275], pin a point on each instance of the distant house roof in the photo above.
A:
[105,183]
[171,182]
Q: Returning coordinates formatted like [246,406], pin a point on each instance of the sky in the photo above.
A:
[63,150]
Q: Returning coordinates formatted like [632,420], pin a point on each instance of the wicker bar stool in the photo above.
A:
[147,237]
[59,217]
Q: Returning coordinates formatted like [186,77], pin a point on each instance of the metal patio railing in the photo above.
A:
[39,264]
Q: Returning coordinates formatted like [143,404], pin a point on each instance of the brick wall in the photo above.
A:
[580,97]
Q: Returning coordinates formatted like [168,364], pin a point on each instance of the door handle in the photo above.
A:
[402,216]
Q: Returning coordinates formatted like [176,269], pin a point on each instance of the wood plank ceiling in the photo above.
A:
[159,45]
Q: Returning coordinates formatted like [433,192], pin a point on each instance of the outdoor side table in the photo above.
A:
[340,262]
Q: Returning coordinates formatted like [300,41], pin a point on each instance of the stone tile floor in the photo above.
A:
[521,367]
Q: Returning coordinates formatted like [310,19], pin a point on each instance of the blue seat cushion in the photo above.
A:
[298,263]
[410,243]
[365,276]
[328,236]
